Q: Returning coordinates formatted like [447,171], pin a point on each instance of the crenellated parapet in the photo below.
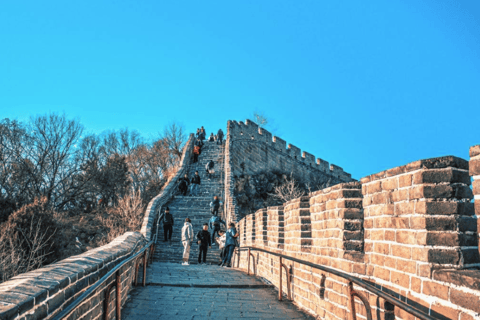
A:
[249,130]
[413,231]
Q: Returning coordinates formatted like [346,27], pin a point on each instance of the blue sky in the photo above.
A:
[364,85]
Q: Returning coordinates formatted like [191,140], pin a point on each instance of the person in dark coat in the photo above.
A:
[167,225]
[203,133]
[205,242]
[209,168]
[183,184]
[195,184]
[215,205]
[230,243]
[219,136]
[214,224]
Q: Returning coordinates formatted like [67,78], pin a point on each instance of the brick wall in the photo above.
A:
[43,293]
[275,228]
[474,167]
[411,231]
[261,221]
[251,150]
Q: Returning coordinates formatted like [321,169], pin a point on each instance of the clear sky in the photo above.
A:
[366,85]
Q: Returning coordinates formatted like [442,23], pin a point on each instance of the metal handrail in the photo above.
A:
[397,302]
[90,290]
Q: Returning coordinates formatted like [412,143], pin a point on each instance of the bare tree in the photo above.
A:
[288,190]
[175,138]
[260,118]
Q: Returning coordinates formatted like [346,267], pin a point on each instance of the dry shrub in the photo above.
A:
[126,216]
[27,240]
[288,190]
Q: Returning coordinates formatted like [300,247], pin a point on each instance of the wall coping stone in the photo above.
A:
[432,163]
[463,278]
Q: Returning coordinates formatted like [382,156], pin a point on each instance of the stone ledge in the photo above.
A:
[463,278]
[432,163]
[29,291]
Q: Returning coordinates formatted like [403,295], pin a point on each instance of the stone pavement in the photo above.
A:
[190,292]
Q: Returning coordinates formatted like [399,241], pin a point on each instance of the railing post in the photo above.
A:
[145,268]
[248,262]
[280,285]
[119,294]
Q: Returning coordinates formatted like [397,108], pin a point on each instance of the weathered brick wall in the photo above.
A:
[43,293]
[261,221]
[251,150]
[275,228]
[250,229]
[152,211]
[298,232]
[474,167]
[411,231]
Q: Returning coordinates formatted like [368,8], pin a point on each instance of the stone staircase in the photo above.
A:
[196,208]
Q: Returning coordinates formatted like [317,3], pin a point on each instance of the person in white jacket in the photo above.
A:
[187,238]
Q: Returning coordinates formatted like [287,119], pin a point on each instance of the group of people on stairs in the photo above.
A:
[227,240]
[200,136]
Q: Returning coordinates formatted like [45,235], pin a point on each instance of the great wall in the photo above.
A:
[409,233]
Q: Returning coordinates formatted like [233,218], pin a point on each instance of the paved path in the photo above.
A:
[190,292]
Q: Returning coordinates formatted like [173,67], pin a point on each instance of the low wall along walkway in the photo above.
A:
[43,293]
[412,231]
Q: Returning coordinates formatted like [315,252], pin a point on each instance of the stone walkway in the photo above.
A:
[190,292]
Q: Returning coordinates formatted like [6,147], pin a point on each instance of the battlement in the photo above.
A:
[249,130]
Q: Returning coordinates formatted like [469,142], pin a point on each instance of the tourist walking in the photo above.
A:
[209,168]
[220,136]
[204,240]
[183,185]
[214,205]
[197,149]
[197,135]
[211,138]
[203,133]
[187,238]
[214,224]
[221,244]
[195,184]
[230,243]
[168,222]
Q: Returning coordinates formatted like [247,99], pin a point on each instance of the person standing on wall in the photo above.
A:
[167,225]
[214,205]
[214,224]
[209,168]
[211,138]
[205,242]
[187,238]
[195,184]
[220,136]
[183,185]
[230,243]
[197,149]
[203,133]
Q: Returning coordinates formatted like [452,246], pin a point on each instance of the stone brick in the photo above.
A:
[435,289]
[443,208]
[444,256]
[464,299]
[400,278]
[441,175]
[405,180]
[390,184]
[402,251]
[474,151]
[474,167]
[404,208]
